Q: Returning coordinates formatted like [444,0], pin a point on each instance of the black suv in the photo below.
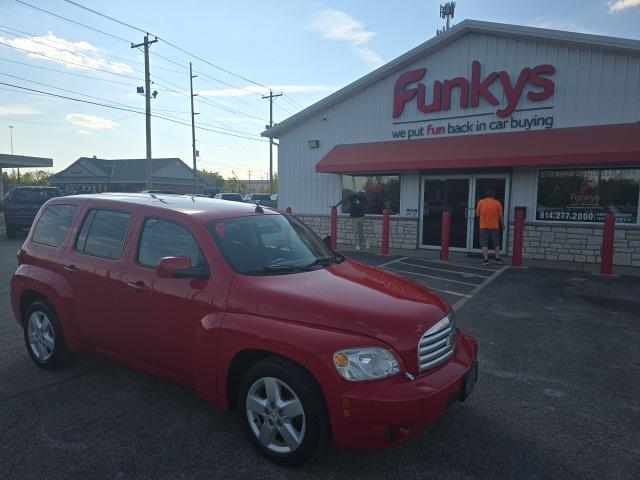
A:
[21,205]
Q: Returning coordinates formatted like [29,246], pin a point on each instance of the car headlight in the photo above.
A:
[367,363]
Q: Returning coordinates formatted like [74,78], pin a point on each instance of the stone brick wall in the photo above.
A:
[573,243]
[403,231]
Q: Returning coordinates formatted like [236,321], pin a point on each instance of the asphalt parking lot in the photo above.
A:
[557,398]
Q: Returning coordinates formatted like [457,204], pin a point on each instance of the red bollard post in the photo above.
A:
[444,238]
[606,257]
[518,235]
[385,231]
[333,228]
[288,210]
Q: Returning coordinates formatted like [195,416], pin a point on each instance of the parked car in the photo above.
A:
[21,205]
[163,192]
[233,197]
[263,199]
[251,309]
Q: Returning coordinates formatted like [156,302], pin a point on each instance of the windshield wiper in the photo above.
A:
[280,269]
[324,261]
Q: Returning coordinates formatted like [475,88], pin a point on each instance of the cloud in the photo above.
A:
[239,92]
[73,55]
[84,132]
[370,56]
[337,25]
[17,110]
[620,5]
[90,121]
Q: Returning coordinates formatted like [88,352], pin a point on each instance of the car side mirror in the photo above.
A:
[180,267]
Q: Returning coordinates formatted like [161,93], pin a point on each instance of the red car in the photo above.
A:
[249,307]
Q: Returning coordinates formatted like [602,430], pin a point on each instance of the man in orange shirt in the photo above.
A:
[491,222]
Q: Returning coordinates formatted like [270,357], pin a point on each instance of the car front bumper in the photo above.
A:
[389,411]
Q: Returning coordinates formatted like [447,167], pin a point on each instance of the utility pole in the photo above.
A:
[11,134]
[193,127]
[271,96]
[147,96]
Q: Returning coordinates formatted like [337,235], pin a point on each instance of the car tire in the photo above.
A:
[283,412]
[11,232]
[44,338]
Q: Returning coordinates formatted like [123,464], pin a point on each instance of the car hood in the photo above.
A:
[349,296]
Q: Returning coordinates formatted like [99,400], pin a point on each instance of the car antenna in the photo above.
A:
[157,198]
[259,209]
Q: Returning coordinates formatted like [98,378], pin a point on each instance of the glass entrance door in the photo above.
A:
[459,194]
[440,194]
[481,185]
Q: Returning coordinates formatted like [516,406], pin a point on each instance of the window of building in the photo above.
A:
[381,191]
[586,195]
[103,233]
[162,238]
[54,224]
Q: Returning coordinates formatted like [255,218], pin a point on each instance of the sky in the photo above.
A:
[305,49]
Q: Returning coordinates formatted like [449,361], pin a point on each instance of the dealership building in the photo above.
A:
[549,120]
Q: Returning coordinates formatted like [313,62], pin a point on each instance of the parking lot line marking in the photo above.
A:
[461,265]
[450,292]
[392,261]
[475,291]
[465,274]
[437,278]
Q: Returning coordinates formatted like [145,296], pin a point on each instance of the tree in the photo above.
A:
[214,177]
[37,177]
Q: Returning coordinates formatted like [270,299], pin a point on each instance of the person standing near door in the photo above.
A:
[358,206]
[491,222]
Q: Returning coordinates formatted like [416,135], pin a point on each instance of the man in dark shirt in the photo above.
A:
[358,206]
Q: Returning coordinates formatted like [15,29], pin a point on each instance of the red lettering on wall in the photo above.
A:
[403,95]
[409,86]
[464,92]
[546,84]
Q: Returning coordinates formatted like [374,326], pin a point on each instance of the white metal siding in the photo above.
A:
[591,88]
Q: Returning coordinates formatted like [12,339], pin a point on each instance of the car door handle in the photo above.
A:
[71,270]
[139,286]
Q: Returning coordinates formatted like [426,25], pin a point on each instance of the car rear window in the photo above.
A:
[103,233]
[163,238]
[35,196]
[54,224]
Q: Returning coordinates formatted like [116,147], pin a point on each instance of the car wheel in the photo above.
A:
[11,232]
[283,411]
[44,338]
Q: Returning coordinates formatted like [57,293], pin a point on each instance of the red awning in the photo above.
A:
[592,145]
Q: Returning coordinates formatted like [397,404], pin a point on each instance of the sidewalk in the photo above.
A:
[475,259]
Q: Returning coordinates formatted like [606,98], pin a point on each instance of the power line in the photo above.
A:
[114,107]
[107,16]
[79,5]
[72,21]
[67,62]
[59,42]
[68,73]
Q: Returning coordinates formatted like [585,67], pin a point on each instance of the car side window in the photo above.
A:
[103,233]
[53,224]
[163,238]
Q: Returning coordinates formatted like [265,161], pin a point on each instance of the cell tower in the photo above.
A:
[446,12]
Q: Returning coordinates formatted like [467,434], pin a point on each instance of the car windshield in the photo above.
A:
[35,196]
[270,245]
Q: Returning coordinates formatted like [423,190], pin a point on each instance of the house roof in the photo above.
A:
[122,170]
[593,42]
[17,161]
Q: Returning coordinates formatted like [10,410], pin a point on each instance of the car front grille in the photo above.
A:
[437,344]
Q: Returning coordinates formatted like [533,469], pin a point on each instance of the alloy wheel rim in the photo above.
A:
[276,415]
[41,335]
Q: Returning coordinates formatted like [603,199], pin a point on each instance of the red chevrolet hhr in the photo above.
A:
[249,307]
